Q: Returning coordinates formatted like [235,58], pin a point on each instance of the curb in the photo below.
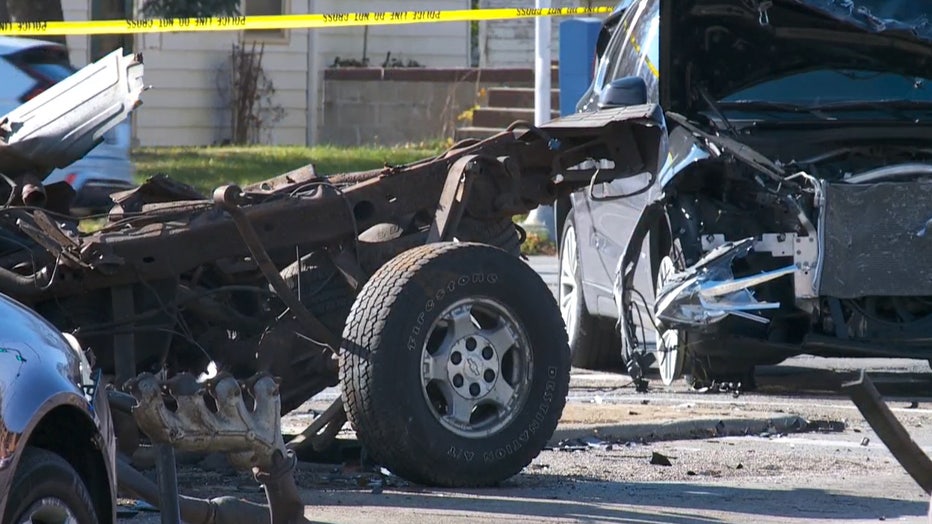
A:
[682,429]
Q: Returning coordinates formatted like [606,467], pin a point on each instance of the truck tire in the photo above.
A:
[595,343]
[46,488]
[455,365]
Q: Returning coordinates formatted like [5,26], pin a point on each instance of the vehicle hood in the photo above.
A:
[724,46]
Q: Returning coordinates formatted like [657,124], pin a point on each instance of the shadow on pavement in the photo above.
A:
[798,381]
[584,500]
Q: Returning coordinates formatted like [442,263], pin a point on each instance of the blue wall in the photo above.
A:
[578,37]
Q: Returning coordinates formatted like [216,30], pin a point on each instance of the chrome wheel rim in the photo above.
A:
[569,291]
[476,367]
[669,357]
[48,510]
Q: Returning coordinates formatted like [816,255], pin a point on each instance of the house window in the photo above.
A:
[260,8]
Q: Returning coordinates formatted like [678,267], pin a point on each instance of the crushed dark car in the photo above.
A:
[792,213]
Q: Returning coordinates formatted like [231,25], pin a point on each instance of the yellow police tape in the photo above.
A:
[308,21]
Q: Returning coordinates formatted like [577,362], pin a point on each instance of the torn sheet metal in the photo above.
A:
[708,291]
[805,251]
[65,122]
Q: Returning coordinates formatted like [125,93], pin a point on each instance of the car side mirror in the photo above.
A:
[622,92]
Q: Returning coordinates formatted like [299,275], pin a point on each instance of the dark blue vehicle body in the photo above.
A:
[49,401]
[764,86]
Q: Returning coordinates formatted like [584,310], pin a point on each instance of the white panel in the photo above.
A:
[448,42]
[510,43]
[78,45]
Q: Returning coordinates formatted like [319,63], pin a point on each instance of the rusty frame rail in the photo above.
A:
[517,171]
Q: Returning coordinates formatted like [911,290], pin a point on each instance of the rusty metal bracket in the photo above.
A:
[453,198]
[348,266]
[868,400]
[47,234]
[227,198]
[321,432]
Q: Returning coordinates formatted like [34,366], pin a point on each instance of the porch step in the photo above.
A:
[502,117]
[519,97]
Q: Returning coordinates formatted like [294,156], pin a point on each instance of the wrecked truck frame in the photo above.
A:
[400,284]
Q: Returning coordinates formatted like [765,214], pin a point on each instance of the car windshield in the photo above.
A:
[840,90]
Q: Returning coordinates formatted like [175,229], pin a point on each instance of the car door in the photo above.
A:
[613,213]
[595,278]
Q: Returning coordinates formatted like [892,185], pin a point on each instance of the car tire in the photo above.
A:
[703,372]
[46,488]
[671,344]
[448,310]
[595,343]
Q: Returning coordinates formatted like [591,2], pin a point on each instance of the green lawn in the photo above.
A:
[208,167]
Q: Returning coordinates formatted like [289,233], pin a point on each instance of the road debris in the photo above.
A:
[659,459]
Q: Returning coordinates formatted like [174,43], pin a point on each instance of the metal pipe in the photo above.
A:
[123,302]
[542,65]
[168,484]
[33,195]
[334,412]
[219,510]
[120,401]
[911,169]
[869,402]
[282,491]
[541,219]
[20,286]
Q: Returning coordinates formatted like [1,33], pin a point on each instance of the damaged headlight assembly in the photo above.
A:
[709,291]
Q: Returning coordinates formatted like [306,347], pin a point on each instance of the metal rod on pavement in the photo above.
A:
[169,505]
[868,400]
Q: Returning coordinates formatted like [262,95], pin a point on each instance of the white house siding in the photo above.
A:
[185,107]
[188,73]
[78,46]
[510,43]
[432,45]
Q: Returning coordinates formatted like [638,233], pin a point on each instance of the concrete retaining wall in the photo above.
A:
[398,106]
